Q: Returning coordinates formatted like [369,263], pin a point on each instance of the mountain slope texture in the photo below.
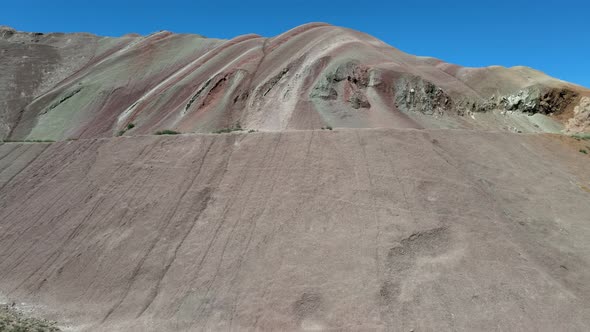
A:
[321,180]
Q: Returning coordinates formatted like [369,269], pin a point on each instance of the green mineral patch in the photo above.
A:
[55,120]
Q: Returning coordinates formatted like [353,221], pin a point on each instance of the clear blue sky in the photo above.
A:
[552,36]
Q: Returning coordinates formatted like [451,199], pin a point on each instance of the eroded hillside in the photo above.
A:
[62,86]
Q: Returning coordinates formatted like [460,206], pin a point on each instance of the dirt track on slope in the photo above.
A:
[344,229]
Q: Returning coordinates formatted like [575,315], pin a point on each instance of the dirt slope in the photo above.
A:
[373,229]
[63,86]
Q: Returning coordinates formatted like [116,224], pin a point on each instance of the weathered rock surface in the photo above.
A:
[581,120]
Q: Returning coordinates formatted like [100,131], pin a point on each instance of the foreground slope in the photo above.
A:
[63,86]
[349,229]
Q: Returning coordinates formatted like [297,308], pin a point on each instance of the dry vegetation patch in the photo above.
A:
[13,320]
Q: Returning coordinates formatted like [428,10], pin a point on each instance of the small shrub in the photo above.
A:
[130,126]
[583,151]
[167,132]
[252,131]
[222,131]
[236,127]
[329,128]
[121,132]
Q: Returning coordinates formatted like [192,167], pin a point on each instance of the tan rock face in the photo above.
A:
[581,120]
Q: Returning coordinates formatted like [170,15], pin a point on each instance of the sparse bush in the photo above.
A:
[128,127]
[583,151]
[167,132]
[236,127]
[223,131]
[329,128]
[252,131]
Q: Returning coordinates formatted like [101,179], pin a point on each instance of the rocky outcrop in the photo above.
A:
[359,100]
[6,32]
[556,100]
[581,120]
[349,78]
[538,100]
[418,95]
[422,96]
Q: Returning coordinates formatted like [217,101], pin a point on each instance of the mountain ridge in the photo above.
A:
[9,29]
[311,76]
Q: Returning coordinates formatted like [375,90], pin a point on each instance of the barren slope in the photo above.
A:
[443,219]
[347,229]
[83,86]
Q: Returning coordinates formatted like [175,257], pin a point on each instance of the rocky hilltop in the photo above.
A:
[59,86]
